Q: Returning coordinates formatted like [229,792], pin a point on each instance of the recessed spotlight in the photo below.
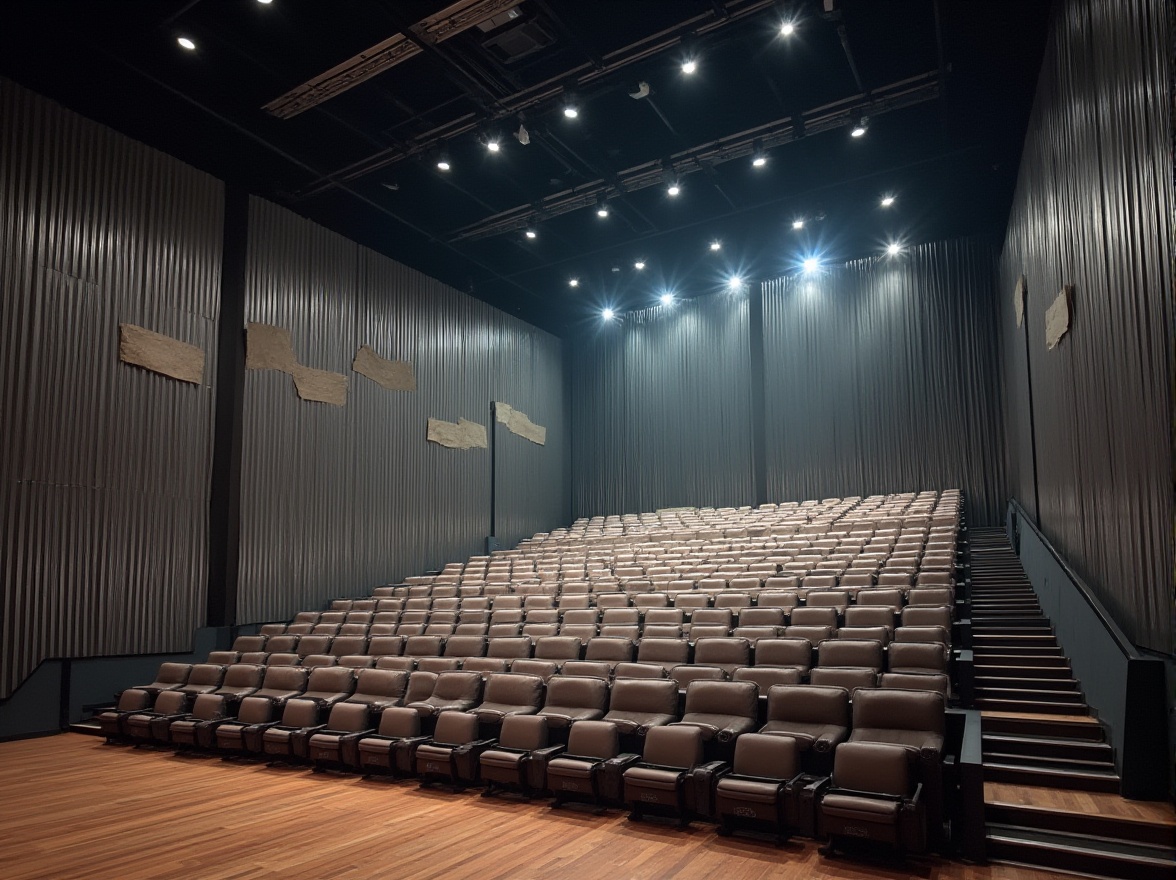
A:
[887,201]
[811,264]
[798,223]
[735,282]
[602,210]
[787,29]
[443,162]
[673,190]
[186,43]
[667,299]
[265,2]
[493,146]
[531,234]
[607,314]
[639,265]
[859,128]
[759,160]
[573,282]
[571,108]
[893,249]
[689,66]
[716,246]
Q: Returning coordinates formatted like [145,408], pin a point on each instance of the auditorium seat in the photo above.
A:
[545,669]
[591,768]
[682,676]
[849,677]
[727,654]
[917,657]
[286,740]
[756,790]
[923,634]
[328,685]
[670,775]
[786,652]
[453,752]
[584,632]
[814,635]
[910,681]
[168,677]
[891,599]
[452,690]
[522,741]
[639,670]
[313,660]
[610,651]
[722,710]
[764,616]
[347,724]
[223,658]
[767,676]
[810,615]
[862,653]
[616,631]
[927,615]
[204,678]
[570,699]
[719,617]
[636,705]
[869,615]
[197,728]
[557,649]
[392,748]
[873,798]
[666,653]
[379,689]
[753,634]
[816,717]
[509,694]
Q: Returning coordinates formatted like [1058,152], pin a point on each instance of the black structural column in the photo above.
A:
[224,509]
[758,391]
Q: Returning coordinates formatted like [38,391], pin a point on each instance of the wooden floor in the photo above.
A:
[72,807]
[1089,803]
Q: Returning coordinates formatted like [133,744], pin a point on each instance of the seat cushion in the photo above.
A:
[499,758]
[570,767]
[431,752]
[804,734]
[652,777]
[744,789]
[713,724]
[913,740]
[861,809]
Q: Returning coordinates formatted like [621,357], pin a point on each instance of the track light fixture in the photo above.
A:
[860,127]
[689,56]
[716,246]
[667,299]
[571,107]
[601,208]
[759,158]
[492,141]
[442,160]
[531,234]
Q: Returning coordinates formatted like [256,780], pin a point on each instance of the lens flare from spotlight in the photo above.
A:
[787,29]
[689,66]
[493,146]
[673,190]
[607,314]
[798,224]
[811,264]
[893,249]
[716,246]
[639,265]
[735,282]
[887,201]
[667,299]
[186,43]
[573,282]
[531,234]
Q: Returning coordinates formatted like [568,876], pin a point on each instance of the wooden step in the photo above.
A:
[1039,696]
[1027,704]
[1024,773]
[985,678]
[1029,621]
[1054,762]
[1017,650]
[1016,632]
[1083,727]
[993,657]
[1048,746]
[1079,853]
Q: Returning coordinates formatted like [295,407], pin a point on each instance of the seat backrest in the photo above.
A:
[420,686]
[171,702]
[784,652]
[899,710]
[379,685]
[465,646]
[811,615]
[513,689]
[205,675]
[890,598]
[344,646]
[918,655]
[761,617]
[650,695]
[558,648]
[766,757]
[663,651]
[673,746]
[457,685]
[243,675]
[308,645]
[732,600]
[509,648]
[620,616]
[865,653]
[255,711]
[849,677]
[872,767]
[610,650]
[809,704]
[766,676]
[456,728]
[593,739]
[869,615]
[283,679]
[300,713]
[400,722]
[740,698]
[578,692]
[639,670]
[386,646]
[349,716]
[712,617]
[244,644]
[685,674]
[581,616]
[927,615]
[916,682]
[922,634]
[723,652]
[524,732]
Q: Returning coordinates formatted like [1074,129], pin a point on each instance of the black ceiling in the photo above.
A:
[363,162]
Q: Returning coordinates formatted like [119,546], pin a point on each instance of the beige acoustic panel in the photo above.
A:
[320,386]
[393,375]
[1019,299]
[160,354]
[517,422]
[269,348]
[460,435]
[1057,318]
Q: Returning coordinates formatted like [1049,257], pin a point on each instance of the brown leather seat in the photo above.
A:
[545,669]
[591,769]
[718,616]
[424,646]
[849,677]
[880,634]
[662,780]
[665,617]
[195,728]
[639,670]
[869,615]
[590,668]
[379,688]
[786,652]
[392,748]
[874,797]
[722,710]
[349,646]
[558,648]
[571,699]
[347,724]
[286,740]
[816,717]
[923,634]
[912,719]
[756,791]
[140,698]
[881,597]
[767,676]
[927,615]
[452,754]
[509,694]
[522,741]
[312,644]
[826,598]
[726,654]
[329,685]
[636,705]
[452,691]
[858,653]
[620,617]
[610,651]
[666,653]
[910,681]
[813,615]
[204,678]
[917,657]
[684,675]
[766,616]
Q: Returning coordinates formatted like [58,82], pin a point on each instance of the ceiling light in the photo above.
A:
[639,265]
[601,208]
[887,201]
[673,190]
[893,249]
[531,234]
[811,264]
[716,246]
[758,157]
[667,299]
[689,66]
[493,145]
[860,127]
[798,223]
[266,2]
[608,314]
[573,282]
[787,29]
[735,282]
[443,161]
[186,43]
[571,107]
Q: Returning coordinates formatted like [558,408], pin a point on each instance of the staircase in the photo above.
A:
[1051,788]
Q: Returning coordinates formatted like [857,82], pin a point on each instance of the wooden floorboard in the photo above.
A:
[1089,803]
[71,807]
[1040,716]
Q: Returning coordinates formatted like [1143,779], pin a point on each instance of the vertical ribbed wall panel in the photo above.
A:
[1093,208]
[104,467]
[662,409]
[336,500]
[882,376]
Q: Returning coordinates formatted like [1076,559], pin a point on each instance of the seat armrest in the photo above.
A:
[537,766]
[612,774]
[703,778]
[465,759]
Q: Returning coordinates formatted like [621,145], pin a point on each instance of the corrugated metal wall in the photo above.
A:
[336,500]
[1092,209]
[104,467]
[662,409]
[883,376]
